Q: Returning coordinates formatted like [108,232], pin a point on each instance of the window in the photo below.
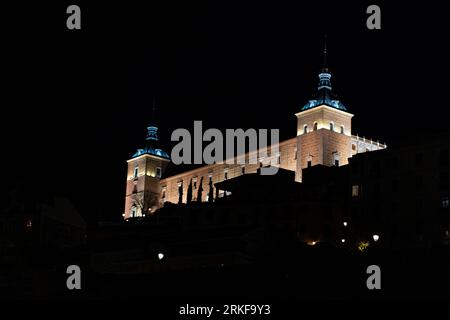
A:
[336,159]
[194,180]
[225,174]
[354,147]
[342,129]
[133,212]
[331,126]
[445,202]
[243,169]
[278,159]
[305,129]
[135,172]
[158,172]
[309,163]
[163,194]
[355,190]
[315,126]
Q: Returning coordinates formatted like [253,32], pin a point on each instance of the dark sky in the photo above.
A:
[76,103]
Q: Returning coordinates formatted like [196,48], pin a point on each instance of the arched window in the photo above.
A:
[331,126]
[315,126]
[305,128]
[133,211]
[342,129]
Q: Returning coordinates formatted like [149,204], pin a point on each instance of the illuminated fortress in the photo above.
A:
[324,136]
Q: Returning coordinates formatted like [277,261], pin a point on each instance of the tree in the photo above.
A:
[189,193]
[211,191]
[145,201]
[180,194]
[200,191]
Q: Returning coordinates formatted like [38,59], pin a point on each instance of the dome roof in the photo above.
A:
[324,95]
[151,151]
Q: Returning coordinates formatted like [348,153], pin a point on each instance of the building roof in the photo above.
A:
[151,151]
[152,141]
[324,95]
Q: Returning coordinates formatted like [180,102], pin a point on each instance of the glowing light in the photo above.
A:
[376,237]
[343,240]
[345,223]
[312,243]
[29,225]
[362,245]
[160,256]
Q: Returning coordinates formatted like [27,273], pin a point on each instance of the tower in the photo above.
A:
[145,169]
[323,127]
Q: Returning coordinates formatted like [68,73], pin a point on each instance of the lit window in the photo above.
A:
[135,172]
[158,172]
[445,202]
[133,211]
[355,190]
[336,159]
[29,225]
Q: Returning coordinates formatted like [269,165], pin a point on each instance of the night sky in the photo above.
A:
[76,103]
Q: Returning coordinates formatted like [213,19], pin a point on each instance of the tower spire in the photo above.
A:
[153,121]
[324,95]
[152,128]
[325,62]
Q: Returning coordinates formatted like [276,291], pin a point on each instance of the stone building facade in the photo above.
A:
[324,136]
